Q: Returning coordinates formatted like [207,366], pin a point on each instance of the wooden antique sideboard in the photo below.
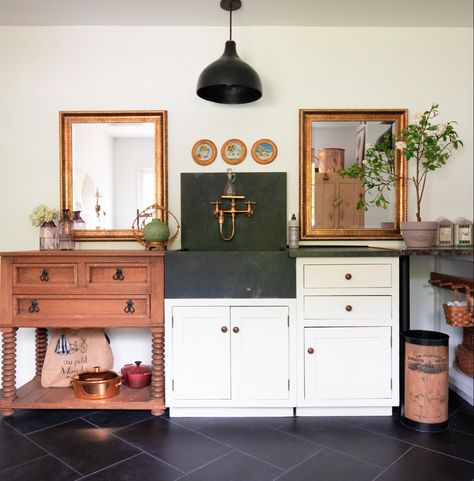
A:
[74,289]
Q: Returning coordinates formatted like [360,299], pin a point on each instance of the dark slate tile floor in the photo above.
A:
[133,445]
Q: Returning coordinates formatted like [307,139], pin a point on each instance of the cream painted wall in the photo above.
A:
[45,70]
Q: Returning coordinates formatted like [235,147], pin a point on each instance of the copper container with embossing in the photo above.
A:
[96,384]
[426,380]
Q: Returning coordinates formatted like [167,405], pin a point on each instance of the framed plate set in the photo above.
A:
[234,151]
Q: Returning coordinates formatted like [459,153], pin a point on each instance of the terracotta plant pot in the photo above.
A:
[419,235]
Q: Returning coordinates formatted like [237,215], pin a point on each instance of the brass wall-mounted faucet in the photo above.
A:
[232,213]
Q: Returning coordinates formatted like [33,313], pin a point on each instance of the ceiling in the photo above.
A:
[386,13]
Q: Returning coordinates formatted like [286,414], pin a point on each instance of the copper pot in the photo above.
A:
[136,375]
[96,384]
[331,160]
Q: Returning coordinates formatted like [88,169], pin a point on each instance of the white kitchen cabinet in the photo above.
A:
[201,353]
[229,359]
[347,335]
[347,363]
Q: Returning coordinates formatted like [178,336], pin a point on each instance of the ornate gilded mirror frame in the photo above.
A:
[308,231]
[159,120]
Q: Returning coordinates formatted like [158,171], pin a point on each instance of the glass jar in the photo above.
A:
[66,231]
[79,222]
[48,236]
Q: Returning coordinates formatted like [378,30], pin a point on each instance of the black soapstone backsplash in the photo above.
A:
[265,230]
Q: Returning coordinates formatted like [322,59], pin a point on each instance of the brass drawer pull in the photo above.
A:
[118,276]
[129,309]
[235,329]
[224,329]
[348,308]
[34,306]
[44,277]
[310,350]
[348,276]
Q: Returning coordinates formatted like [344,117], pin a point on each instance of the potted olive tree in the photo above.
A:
[425,144]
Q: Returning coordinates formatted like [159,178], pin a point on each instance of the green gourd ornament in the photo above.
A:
[156,231]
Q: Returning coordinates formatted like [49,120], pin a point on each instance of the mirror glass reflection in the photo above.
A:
[337,146]
[113,174]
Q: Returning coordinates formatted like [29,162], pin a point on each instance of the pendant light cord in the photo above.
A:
[230,21]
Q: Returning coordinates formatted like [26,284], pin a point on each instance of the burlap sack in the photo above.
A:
[72,351]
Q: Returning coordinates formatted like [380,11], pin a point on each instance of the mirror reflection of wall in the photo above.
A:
[113,172]
[335,197]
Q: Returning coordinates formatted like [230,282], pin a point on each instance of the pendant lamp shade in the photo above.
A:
[229,80]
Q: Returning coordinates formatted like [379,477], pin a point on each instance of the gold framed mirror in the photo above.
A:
[113,164]
[330,141]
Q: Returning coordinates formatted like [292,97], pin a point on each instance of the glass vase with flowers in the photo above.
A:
[44,218]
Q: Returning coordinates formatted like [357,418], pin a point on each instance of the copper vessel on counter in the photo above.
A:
[96,384]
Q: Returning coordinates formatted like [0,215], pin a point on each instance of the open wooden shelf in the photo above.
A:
[33,396]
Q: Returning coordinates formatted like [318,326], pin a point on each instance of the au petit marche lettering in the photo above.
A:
[71,367]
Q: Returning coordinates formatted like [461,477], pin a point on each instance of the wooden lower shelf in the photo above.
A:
[33,396]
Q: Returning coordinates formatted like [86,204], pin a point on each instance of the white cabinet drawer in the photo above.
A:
[348,307]
[323,276]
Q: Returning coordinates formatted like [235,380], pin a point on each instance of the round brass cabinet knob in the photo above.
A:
[236,329]
[348,276]
[348,308]
[310,350]
[224,329]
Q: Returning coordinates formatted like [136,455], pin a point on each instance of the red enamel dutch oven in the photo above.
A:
[136,375]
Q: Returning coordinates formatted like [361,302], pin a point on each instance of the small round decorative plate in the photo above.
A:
[234,151]
[204,152]
[264,151]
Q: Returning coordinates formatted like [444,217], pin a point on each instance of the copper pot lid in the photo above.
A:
[137,368]
[96,376]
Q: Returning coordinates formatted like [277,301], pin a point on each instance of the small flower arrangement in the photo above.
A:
[42,213]
[428,144]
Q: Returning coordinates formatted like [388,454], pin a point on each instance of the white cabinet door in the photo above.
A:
[201,352]
[347,363]
[260,356]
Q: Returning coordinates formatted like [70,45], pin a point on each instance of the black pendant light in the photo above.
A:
[229,80]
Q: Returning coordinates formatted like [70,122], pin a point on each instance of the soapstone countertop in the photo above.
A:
[342,251]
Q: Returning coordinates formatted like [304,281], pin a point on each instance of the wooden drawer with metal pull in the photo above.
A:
[34,275]
[136,275]
[28,310]
[348,307]
[350,276]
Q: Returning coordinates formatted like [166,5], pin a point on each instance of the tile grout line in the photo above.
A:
[204,465]
[331,448]
[142,451]
[46,451]
[23,464]
[230,446]
[390,465]
[317,444]
[300,463]
[417,445]
[111,430]
[85,476]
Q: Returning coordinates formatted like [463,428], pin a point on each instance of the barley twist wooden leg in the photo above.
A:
[41,343]
[8,371]
[158,371]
